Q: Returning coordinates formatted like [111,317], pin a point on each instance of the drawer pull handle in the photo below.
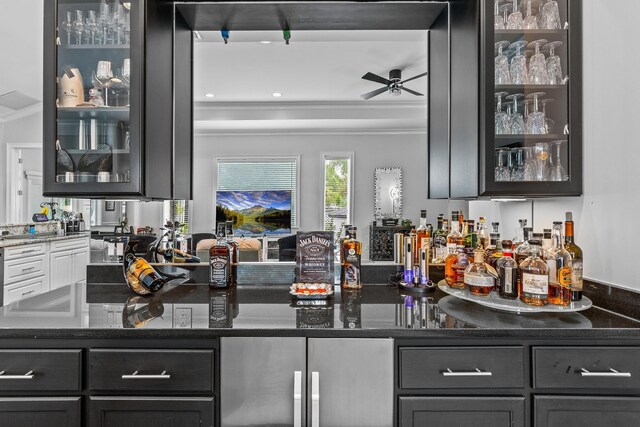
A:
[28,292]
[27,376]
[476,373]
[136,376]
[28,268]
[611,373]
[28,251]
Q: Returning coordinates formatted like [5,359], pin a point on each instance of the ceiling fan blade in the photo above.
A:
[412,91]
[375,78]
[415,77]
[374,93]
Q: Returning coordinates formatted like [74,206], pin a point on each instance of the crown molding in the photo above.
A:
[19,114]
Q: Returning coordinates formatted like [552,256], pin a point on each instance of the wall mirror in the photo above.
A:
[107,212]
[387,201]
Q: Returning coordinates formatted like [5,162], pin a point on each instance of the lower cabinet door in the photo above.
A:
[581,411]
[151,411]
[40,411]
[461,411]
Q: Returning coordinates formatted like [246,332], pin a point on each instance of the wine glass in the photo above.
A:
[517,168]
[541,160]
[497,16]
[554,65]
[558,172]
[515,21]
[503,126]
[502,75]
[530,21]
[103,22]
[536,123]
[550,16]
[103,78]
[66,27]
[78,26]
[529,165]
[502,172]
[516,120]
[538,65]
[91,27]
[548,122]
[126,78]
[518,69]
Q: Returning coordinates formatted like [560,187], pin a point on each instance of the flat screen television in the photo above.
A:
[255,212]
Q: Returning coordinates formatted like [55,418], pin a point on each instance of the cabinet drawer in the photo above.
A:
[67,245]
[24,289]
[461,367]
[155,370]
[586,367]
[24,251]
[39,370]
[24,268]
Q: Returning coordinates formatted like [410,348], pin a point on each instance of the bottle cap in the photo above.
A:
[557,223]
[537,236]
[423,213]
[569,216]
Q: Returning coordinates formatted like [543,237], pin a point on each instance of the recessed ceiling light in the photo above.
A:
[265,42]
[209,95]
[277,94]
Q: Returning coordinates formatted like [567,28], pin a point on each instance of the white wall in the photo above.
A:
[604,216]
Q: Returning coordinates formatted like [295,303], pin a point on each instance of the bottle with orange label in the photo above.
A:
[559,262]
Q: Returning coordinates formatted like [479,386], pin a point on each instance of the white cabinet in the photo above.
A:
[60,269]
[68,262]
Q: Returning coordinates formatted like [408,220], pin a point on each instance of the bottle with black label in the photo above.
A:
[220,263]
[507,272]
[351,254]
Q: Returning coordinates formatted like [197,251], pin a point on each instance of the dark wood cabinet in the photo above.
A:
[463,411]
[40,411]
[580,411]
[109,123]
[151,411]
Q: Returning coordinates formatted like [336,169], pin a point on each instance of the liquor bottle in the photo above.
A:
[440,242]
[137,317]
[141,277]
[507,272]
[559,262]
[576,258]
[178,256]
[484,238]
[235,253]
[493,255]
[495,227]
[476,277]
[351,268]
[220,263]
[534,278]
[455,265]
[523,250]
[423,236]
[470,237]
[520,237]
[344,236]
[547,242]
[454,238]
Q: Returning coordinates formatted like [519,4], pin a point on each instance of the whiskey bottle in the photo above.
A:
[559,262]
[576,259]
[235,252]
[494,254]
[351,268]
[476,277]
[345,235]
[220,263]
[483,234]
[523,250]
[440,242]
[534,278]
[455,264]
[141,277]
[454,238]
[507,272]
[423,236]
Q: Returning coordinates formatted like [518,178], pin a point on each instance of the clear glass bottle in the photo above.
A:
[423,236]
[351,267]
[533,272]
[507,272]
[520,237]
[476,277]
[522,251]
[484,238]
[576,258]
[440,242]
[454,238]
[547,242]
[559,262]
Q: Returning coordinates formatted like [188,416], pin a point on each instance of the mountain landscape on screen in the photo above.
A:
[255,212]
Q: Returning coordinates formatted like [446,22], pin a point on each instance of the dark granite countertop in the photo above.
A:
[193,310]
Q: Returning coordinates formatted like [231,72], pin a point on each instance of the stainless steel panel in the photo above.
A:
[356,381]
[257,380]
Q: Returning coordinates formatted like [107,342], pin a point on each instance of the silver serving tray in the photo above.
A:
[494,301]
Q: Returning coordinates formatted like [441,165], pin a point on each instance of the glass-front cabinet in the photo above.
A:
[104,134]
[532,136]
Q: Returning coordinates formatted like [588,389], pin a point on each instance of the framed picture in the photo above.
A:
[109,205]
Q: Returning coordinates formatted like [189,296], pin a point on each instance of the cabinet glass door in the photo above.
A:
[531,123]
[98,72]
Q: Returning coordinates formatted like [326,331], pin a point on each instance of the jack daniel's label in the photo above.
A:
[218,271]
[314,255]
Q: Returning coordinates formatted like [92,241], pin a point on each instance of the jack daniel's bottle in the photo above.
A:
[220,263]
[351,255]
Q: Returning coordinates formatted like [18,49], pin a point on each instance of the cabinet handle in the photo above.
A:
[28,376]
[611,373]
[28,292]
[476,373]
[136,376]
[315,399]
[28,268]
[297,399]
[27,251]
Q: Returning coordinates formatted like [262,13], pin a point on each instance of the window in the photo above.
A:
[338,191]
[178,210]
[261,174]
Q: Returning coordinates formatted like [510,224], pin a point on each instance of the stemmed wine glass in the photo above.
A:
[530,21]
[558,173]
[126,77]
[502,75]
[103,78]
[550,16]
[538,65]
[541,159]
[517,168]
[497,17]
[554,65]
[91,27]
[548,122]
[503,126]
[66,27]
[518,69]
[516,119]
[529,165]
[78,26]
[536,120]
[103,21]
[502,172]
[515,21]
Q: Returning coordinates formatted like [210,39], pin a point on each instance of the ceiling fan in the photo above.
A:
[394,85]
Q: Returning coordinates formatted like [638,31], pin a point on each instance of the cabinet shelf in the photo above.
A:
[526,139]
[530,35]
[102,113]
[93,46]
[528,88]
[76,151]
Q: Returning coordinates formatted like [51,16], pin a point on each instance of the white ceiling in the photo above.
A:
[325,66]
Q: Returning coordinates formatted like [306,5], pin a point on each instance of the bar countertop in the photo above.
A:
[195,311]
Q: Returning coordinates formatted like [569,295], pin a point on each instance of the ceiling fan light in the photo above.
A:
[394,91]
